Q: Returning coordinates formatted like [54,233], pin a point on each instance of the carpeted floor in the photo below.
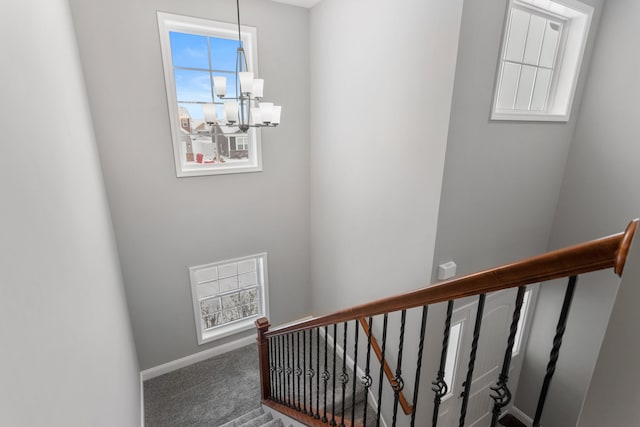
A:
[209,393]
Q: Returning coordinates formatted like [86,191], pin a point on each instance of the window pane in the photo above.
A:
[525,87]
[193,85]
[223,53]
[452,354]
[534,39]
[190,111]
[517,35]
[549,47]
[189,50]
[508,85]
[541,89]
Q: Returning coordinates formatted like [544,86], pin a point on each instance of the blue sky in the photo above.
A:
[193,51]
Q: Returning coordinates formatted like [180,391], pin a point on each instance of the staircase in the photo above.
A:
[299,379]
[255,418]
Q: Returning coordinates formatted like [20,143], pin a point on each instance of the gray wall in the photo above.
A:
[67,356]
[598,197]
[164,224]
[381,84]
[614,391]
[501,178]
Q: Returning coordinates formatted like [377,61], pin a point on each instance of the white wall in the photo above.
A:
[599,196]
[381,85]
[67,356]
[165,224]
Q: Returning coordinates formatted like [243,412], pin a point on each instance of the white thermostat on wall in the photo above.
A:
[446,270]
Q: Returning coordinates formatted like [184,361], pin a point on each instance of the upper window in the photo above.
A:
[194,51]
[542,50]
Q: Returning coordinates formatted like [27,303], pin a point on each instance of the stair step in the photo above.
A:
[244,418]
[258,421]
[274,423]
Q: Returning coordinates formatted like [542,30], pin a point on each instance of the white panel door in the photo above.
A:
[496,322]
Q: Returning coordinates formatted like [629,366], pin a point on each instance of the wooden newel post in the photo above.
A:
[262,325]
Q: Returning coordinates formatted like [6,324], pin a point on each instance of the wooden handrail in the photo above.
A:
[406,408]
[600,254]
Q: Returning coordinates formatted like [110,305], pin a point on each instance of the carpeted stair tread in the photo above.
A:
[258,422]
[274,423]
[244,418]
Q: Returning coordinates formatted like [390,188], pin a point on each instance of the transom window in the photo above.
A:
[228,296]
[541,55]
[194,52]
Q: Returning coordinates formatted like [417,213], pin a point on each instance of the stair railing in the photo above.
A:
[285,360]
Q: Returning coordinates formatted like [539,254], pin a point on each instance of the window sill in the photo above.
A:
[529,117]
[227,330]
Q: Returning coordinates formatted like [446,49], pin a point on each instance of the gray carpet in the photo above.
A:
[208,393]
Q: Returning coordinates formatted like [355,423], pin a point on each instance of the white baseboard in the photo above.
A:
[521,416]
[165,368]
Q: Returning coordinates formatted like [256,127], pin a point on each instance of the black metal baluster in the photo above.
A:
[288,372]
[272,368]
[472,360]
[304,372]
[279,372]
[355,374]
[555,350]
[310,373]
[325,374]
[344,377]
[333,392]
[398,383]
[416,387]
[318,372]
[503,394]
[367,380]
[380,380]
[440,386]
[298,370]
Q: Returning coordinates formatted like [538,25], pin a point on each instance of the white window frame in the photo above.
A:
[170,22]
[207,335]
[577,21]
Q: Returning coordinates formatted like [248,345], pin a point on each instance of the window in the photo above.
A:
[194,51]
[228,296]
[542,50]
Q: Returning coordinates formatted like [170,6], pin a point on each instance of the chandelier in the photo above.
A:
[246,109]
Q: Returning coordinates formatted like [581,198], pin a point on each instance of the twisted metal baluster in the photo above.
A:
[503,394]
[318,371]
[333,393]
[380,381]
[355,374]
[367,380]
[311,373]
[325,374]
[288,372]
[304,372]
[398,383]
[440,386]
[416,387]
[298,369]
[344,377]
[272,368]
[555,350]
[472,360]
[280,371]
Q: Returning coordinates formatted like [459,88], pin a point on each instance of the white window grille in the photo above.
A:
[540,61]
[194,51]
[228,296]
